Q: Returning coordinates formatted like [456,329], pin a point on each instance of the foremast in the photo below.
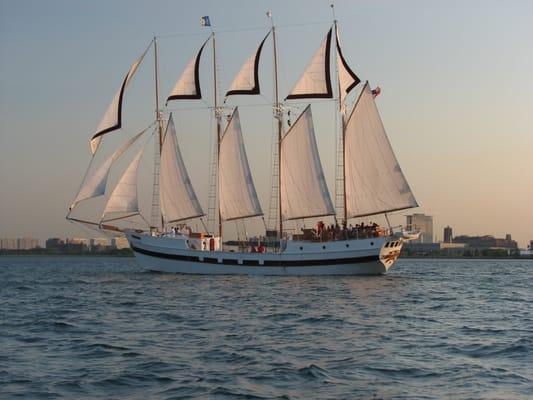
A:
[156,209]
[278,114]
[218,117]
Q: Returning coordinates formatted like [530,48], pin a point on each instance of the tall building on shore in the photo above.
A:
[8,244]
[27,243]
[19,244]
[120,243]
[448,234]
[423,223]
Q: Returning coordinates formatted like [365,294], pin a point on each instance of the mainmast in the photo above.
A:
[160,128]
[278,115]
[219,128]
[342,110]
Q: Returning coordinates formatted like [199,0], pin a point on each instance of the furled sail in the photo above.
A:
[124,196]
[238,198]
[347,78]
[374,180]
[188,84]
[316,79]
[304,192]
[94,184]
[247,81]
[178,200]
[112,119]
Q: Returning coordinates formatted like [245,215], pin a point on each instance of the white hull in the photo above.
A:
[346,257]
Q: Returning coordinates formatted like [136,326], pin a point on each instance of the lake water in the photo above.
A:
[100,328]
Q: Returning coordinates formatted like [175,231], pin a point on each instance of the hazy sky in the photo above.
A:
[456,79]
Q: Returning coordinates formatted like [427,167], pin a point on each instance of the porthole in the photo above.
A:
[347,245]
[323,247]
[301,248]
[371,243]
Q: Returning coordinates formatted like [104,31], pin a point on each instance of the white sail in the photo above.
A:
[188,84]
[304,192]
[347,78]
[374,180]
[124,196]
[316,79]
[112,119]
[247,80]
[238,198]
[94,184]
[178,200]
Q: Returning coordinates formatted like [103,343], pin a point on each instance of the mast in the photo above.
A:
[159,123]
[277,110]
[343,125]
[343,135]
[219,129]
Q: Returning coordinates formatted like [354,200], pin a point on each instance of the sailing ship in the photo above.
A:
[372,180]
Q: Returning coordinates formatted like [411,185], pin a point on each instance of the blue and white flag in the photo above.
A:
[204,21]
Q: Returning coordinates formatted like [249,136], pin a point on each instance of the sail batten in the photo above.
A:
[187,86]
[247,80]
[315,82]
[178,199]
[238,197]
[112,119]
[304,192]
[374,181]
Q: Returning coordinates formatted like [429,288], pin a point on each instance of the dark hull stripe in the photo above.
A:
[249,262]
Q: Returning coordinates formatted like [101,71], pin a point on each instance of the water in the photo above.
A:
[100,328]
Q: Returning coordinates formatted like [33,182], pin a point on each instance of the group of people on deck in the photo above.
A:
[337,232]
[258,249]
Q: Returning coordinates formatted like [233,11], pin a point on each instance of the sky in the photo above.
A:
[457,97]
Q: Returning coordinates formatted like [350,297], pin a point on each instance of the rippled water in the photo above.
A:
[75,327]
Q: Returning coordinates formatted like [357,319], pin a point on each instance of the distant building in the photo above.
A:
[27,243]
[77,244]
[423,223]
[54,244]
[443,249]
[99,244]
[487,242]
[529,251]
[8,244]
[120,243]
[448,234]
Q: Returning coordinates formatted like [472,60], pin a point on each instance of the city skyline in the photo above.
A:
[463,138]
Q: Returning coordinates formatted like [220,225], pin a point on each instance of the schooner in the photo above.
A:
[372,180]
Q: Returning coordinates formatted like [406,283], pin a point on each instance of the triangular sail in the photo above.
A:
[347,78]
[124,196]
[188,84]
[112,119]
[238,197]
[374,182]
[94,184]
[247,80]
[304,192]
[178,200]
[316,79]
